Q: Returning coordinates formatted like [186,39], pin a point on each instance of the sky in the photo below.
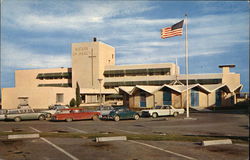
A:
[38,34]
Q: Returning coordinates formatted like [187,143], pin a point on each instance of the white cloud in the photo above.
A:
[18,57]
[83,15]
[136,38]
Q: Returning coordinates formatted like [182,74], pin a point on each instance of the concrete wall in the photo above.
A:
[40,97]
[82,63]
[134,100]
[158,98]
[176,99]
[203,99]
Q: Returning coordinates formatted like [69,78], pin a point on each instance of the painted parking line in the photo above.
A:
[55,146]
[164,150]
[77,130]
[126,131]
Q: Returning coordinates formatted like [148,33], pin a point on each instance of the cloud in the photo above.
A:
[15,56]
[135,37]
[85,15]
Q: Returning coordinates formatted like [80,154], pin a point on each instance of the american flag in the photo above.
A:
[174,30]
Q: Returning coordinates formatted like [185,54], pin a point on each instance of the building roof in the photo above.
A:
[213,87]
[149,89]
[126,89]
[180,88]
[232,88]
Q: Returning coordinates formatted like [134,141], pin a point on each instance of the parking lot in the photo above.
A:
[69,146]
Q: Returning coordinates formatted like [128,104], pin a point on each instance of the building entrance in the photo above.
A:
[167,98]
[194,98]
[143,99]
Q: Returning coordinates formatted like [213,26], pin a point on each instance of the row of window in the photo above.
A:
[59,75]
[56,85]
[137,72]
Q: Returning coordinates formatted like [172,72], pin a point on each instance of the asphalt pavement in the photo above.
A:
[49,148]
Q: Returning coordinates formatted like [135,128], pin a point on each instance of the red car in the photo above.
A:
[74,114]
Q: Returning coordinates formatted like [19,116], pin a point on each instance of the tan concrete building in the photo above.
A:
[94,69]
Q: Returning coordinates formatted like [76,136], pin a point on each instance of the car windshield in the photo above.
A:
[62,111]
[13,111]
[2,111]
[157,107]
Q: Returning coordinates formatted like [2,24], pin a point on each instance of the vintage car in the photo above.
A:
[69,115]
[121,113]
[24,114]
[53,109]
[104,110]
[165,110]
[2,114]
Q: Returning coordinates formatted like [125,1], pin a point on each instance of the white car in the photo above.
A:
[2,114]
[104,110]
[52,110]
[165,110]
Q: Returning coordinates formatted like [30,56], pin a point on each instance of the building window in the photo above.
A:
[194,98]
[218,95]
[143,99]
[232,99]
[59,98]
[23,102]
[167,98]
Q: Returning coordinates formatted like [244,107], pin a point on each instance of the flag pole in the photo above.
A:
[186,55]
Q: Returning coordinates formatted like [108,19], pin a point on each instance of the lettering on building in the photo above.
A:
[81,51]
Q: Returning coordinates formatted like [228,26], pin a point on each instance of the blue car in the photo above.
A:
[122,113]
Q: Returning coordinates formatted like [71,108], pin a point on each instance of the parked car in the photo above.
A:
[121,113]
[2,114]
[53,109]
[165,110]
[104,110]
[74,114]
[24,114]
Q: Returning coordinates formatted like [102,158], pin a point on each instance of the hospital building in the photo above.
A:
[136,86]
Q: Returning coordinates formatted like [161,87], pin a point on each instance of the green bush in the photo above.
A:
[72,102]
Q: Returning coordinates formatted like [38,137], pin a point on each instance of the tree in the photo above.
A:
[78,96]
[72,102]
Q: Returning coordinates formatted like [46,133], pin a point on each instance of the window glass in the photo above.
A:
[158,107]
[59,98]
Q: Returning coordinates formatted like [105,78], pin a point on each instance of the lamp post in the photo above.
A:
[100,94]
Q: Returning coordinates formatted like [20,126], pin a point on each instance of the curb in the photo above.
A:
[23,136]
[216,142]
[104,139]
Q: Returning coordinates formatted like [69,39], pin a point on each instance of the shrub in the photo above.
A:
[72,102]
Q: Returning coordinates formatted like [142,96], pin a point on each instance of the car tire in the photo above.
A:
[175,114]
[136,117]
[68,120]
[41,117]
[49,115]
[154,115]
[17,119]
[95,118]
[116,118]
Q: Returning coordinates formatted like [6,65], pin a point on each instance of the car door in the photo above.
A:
[128,114]
[122,113]
[29,114]
[165,111]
